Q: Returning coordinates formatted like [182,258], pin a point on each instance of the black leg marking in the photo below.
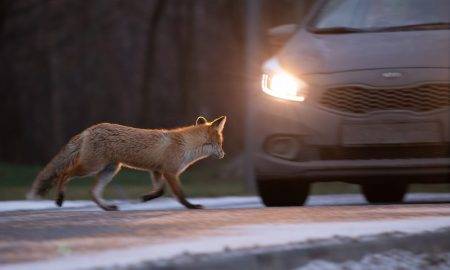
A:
[153,195]
[59,201]
[111,207]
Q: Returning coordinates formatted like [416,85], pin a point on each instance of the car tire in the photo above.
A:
[384,192]
[283,192]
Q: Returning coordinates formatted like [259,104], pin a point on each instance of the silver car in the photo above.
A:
[361,94]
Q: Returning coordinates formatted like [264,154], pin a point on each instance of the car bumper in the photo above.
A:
[435,169]
[319,129]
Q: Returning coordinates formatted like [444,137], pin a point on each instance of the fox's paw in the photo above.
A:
[59,201]
[196,206]
[110,207]
[149,197]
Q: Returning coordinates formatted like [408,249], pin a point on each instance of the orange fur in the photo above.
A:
[104,148]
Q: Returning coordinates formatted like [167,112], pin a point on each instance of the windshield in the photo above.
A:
[385,15]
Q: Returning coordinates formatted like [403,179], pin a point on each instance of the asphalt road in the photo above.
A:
[80,235]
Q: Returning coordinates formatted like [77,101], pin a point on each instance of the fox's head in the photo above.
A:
[214,137]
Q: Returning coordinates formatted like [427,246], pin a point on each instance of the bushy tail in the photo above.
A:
[64,160]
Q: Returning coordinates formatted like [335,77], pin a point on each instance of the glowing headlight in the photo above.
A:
[278,83]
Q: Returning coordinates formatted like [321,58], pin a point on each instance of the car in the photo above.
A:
[360,93]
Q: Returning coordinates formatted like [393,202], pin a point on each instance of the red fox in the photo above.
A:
[102,149]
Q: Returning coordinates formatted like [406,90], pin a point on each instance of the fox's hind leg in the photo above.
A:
[61,183]
[157,187]
[102,179]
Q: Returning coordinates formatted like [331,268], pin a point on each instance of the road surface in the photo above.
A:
[37,235]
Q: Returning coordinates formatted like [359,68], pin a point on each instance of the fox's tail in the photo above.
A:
[63,161]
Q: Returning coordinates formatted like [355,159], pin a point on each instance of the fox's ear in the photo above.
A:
[201,120]
[219,123]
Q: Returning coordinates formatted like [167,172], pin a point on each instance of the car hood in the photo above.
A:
[307,53]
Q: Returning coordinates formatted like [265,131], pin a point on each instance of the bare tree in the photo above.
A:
[146,115]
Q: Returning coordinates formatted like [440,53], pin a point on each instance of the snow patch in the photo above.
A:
[40,205]
[234,237]
[210,203]
[391,260]
[157,204]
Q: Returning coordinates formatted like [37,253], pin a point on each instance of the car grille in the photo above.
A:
[356,99]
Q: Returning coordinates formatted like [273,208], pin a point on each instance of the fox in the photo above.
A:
[103,149]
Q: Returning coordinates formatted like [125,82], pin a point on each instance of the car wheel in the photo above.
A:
[283,192]
[384,192]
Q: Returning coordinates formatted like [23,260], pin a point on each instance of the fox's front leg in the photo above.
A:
[157,189]
[176,190]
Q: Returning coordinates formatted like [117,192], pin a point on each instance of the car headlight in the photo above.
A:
[279,83]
